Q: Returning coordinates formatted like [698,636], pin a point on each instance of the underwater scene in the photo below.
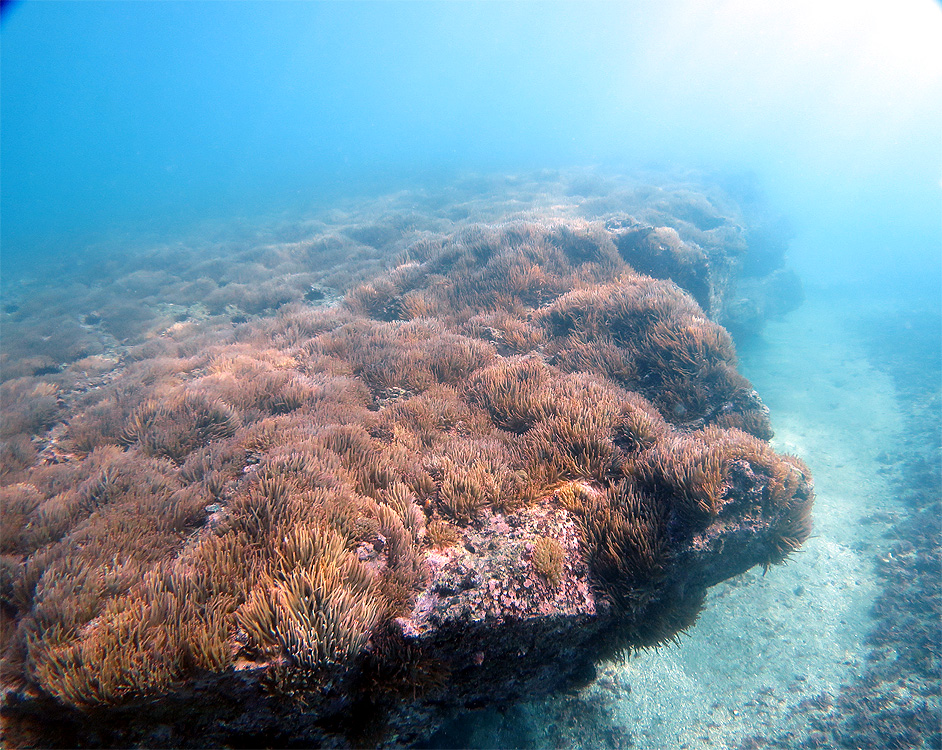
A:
[471,374]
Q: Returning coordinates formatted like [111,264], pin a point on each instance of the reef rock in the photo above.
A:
[512,455]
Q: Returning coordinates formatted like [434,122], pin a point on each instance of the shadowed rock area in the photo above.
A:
[331,489]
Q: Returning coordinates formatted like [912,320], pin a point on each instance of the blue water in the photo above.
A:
[122,117]
[125,126]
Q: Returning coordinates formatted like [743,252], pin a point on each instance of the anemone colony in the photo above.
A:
[267,500]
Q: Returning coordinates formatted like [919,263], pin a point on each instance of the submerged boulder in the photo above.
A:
[505,459]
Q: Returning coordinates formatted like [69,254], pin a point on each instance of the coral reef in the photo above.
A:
[504,458]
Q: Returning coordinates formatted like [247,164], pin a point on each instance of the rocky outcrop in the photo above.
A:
[506,458]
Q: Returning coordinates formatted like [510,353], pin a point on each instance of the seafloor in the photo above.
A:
[840,647]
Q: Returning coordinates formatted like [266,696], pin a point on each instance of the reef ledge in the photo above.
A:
[460,483]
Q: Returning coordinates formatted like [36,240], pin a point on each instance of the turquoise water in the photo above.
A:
[138,116]
[171,165]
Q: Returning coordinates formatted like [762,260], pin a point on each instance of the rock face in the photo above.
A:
[714,274]
[510,456]
[505,633]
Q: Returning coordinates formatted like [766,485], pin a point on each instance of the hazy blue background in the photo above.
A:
[144,114]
